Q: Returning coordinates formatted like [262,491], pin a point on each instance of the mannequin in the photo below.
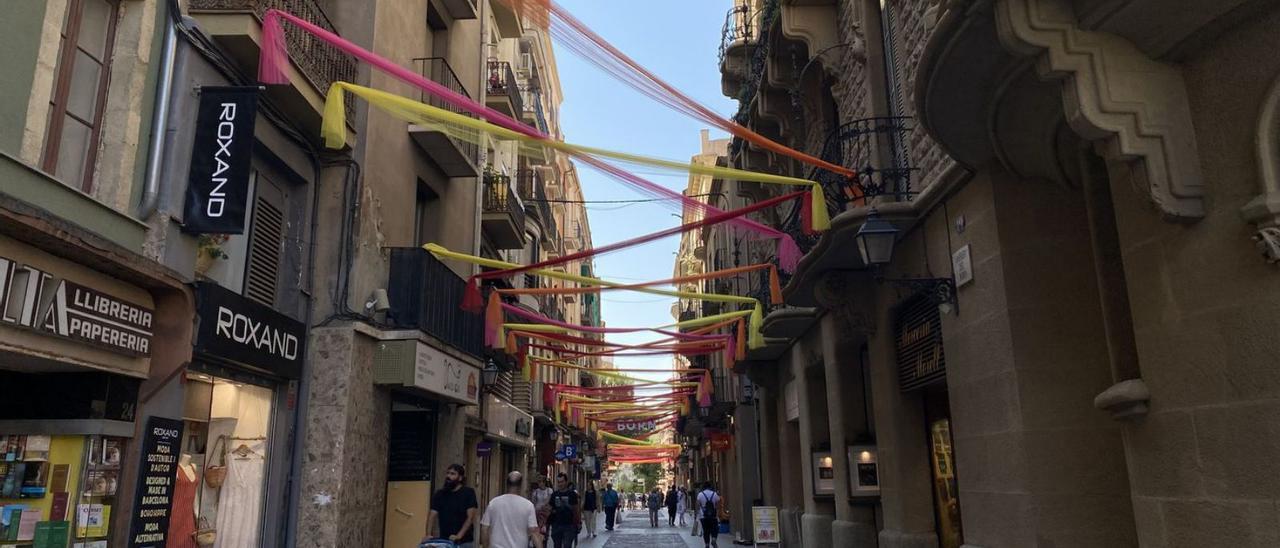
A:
[182,523]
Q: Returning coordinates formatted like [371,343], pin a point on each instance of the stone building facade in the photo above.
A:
[1080,192]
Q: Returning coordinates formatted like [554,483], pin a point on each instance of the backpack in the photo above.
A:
[708,504]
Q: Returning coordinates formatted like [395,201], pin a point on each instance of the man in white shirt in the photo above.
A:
[510,520]
[708,514]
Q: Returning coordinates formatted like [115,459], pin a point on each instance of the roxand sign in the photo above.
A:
[161,445]
[918,336]
[221,157]
[235,328]
[45,302]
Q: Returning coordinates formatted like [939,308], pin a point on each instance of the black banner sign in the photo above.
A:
[161,443]
[918,330]
[218,184]
[240,330]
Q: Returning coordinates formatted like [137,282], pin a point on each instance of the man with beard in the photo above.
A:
[454,506]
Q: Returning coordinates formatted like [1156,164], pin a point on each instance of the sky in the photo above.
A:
[678,41]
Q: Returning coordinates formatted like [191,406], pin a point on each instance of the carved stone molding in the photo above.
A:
[1125,400]
[815,25]
[1133,108]
[850,297]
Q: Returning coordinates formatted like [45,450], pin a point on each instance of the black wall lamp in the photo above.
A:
[876,240]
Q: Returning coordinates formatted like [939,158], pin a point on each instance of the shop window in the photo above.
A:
[222,472]
[58,487]
[80,91]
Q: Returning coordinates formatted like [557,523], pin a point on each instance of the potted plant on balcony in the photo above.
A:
[209,250]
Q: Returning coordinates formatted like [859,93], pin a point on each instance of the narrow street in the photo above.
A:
[635,532]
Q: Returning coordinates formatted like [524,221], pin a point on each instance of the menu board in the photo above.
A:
[161,442]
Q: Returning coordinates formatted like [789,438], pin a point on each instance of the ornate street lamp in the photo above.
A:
[489,375]
[876,239]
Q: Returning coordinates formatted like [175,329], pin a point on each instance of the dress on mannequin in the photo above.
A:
[182,522]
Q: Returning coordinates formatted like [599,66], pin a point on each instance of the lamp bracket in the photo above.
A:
[941,290]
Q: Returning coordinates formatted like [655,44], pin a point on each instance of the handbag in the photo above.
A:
[205,535]
[215,474]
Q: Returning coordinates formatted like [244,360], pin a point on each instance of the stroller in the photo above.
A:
[437,543]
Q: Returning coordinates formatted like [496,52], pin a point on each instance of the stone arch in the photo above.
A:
[1264,211]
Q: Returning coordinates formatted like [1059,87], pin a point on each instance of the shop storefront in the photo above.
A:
[508,440]
[238,403]
[428,386]
[922,369]
[75,345]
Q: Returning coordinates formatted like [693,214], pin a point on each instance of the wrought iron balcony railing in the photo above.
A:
[739,27]
[437,70]
[502,81]
[426,295]
[499,197]
[755,70]
[321,63]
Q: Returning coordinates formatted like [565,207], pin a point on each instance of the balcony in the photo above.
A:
[503,91]
[461,9]
[741,28]
[236,26]
[426,295]
[507,18]
[503,214]
[455,157]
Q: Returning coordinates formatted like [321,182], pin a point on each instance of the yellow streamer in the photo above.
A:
[333,130]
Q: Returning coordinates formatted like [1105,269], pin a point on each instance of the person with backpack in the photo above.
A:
[565,513]
[610,503]
[708,505]
[672,500]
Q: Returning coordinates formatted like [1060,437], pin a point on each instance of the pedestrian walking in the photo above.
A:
[565,513]
[610,502]
[673,500]
[682,504]
[454,508]
[541,497]
[708,504]
[655,503]
[510,520]
[590,504]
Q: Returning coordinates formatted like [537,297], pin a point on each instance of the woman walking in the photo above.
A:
[590,503]
[682,502]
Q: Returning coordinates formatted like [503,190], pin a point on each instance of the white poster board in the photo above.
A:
[764,523]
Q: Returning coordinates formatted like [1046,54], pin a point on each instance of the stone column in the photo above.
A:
[790,474]
[747,472]
[770,403]
[844,330]
[806,367]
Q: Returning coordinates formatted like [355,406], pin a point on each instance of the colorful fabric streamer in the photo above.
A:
[271,70]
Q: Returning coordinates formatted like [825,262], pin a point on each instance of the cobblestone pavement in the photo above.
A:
[634,532]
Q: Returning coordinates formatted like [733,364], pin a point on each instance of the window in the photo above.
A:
[427,199]
[80,90]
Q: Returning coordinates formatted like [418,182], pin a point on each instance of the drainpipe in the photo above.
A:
[160,120]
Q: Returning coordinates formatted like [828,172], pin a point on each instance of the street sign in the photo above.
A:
[484,448]
[560,455]
[570,451]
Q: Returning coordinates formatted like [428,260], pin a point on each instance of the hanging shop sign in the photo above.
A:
[507,422]
[632,427]
[918,334]
[221,157]
[161,444]
[484,448]
[235,328]
[43,301]
[570,451]
[721,442]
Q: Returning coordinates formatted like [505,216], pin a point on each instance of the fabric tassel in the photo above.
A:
[333,126]
[274,54]
[511,342]
[472,298]
[493,319]
[806,215]
[755,338]
[788,253]
[522,358]
[741,340]
[775,286]
[819,220]
[704,393]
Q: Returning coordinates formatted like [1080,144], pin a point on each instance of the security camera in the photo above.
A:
[1268,242]
[378,302]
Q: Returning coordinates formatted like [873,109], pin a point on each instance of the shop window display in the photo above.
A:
[58,490]
[222,474]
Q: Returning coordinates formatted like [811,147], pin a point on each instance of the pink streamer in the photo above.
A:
[274,57]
